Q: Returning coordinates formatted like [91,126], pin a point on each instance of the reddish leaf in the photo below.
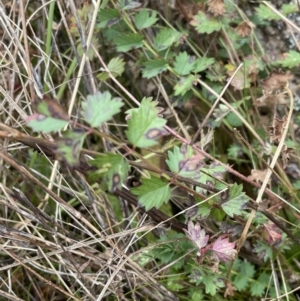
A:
[223,250]
[272,234]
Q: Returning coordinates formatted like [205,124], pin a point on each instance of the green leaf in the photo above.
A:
[174,285]
[108,17]
[209,176]
[152,193]
[265,13]
[182,161]
[154,67]
[289,8]
[147,102]
[202,64]
[69,146]
[264,251]
[185,84]
[258,286]
[112,168]
[115,66]
[195,294]
[203,24]
[145,127]
[184,63]
[292,60]
[234,120]
[112,32]
[128,41]
[129,4]
[203,211]
[234,151]
[205,179]
[100,107]
[49,116]
[51,108]
[44,124]
[165,38]
[145,18]
[242,278]
[221,112]
[218,74]
[212,283]
[237,199]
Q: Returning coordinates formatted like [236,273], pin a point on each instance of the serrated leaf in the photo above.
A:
[154,67]
[202,63]
[115,66]
[196,235]
[145,127]
[152,193]
[217,74]
[128,41]
[182,161]
[99,108]
[69,146]
[292,60]
[258,286]
[204,24]
[212,283]
[264,251]
[237,199]
[185,84]
[196,294]
[201,211]
[44,124]
[246,272]
[289,8]
[145,18]
[146,102]
[209,176]
[50,108]
[234,151]
[112,168]
[184,63]
[49,116]
[265,13]
[205,179]
[165,38]
[223,250]
[234,120]
[129,4]
[108,17]
[112,32]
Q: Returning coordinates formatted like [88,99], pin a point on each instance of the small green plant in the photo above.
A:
[184,117]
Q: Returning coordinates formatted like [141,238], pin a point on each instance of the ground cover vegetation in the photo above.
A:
[149,150]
